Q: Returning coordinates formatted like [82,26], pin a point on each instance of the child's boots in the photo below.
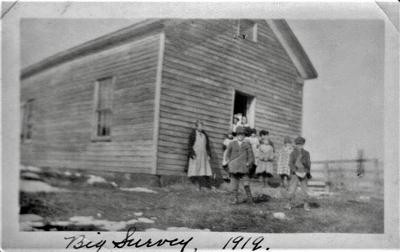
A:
[249,196]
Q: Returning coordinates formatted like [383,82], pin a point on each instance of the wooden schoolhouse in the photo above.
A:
[127,101]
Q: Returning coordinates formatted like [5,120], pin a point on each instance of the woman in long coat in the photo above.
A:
[199,155]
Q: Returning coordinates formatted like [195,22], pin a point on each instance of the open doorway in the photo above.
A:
[244,106]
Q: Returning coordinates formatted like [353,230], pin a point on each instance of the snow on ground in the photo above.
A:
[177,229]
[29,222]
[30,168]
[145,220]
[38,186]
[137,189]
[279,215]
[95,179]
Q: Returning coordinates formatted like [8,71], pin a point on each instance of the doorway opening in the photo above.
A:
[244,106]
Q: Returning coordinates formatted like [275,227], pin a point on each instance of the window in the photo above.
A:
[27,120]
[104,91]
[247,30]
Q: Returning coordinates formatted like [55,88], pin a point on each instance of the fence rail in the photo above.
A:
[352,174]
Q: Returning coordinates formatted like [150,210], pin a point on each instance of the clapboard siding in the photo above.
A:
[203,64]
[63,110]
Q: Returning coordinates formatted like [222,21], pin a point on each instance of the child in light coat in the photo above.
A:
[283,161]
[265,161]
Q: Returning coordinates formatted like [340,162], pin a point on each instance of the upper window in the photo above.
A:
[104,91]
[247,29]
[27,120]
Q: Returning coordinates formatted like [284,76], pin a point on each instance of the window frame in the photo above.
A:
[95,137]
[253,26]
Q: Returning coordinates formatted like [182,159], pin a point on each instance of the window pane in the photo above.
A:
[105,93]
[104,105]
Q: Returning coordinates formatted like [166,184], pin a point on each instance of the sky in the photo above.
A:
[342,108]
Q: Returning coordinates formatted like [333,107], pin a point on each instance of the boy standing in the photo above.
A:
[239,157]
[300,164]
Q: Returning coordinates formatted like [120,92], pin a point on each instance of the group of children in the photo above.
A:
[247,155]
[258,156]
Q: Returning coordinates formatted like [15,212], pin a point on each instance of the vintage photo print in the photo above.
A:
[189,126]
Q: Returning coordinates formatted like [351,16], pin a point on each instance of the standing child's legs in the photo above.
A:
[246,183]
[235,188]
[304,189]
[294,180]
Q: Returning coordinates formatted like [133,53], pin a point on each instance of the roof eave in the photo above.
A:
[137,30]
[293,47]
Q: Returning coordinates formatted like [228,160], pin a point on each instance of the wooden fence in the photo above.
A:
[359,175]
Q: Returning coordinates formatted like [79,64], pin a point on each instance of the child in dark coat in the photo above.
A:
[300,165]
[239,157]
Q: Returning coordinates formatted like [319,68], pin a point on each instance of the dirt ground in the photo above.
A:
[180,205]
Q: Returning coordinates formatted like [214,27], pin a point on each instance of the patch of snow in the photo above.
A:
[67,173]
[138,213]
[113,226]
[114,184]
[186,229]
[145,220]
[105,224]
[60,223]
[38,186]
[279,215]
[28,222]
[137,189]
[153,230]
[364,198]
[77,174]
[95,179]
[177,229]
[30,225]
[130,222]
[30,168]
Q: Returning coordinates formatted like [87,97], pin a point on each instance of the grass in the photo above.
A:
[182,206]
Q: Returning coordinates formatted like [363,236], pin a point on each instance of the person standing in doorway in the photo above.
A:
[199,155]
[300,166]
[240,157]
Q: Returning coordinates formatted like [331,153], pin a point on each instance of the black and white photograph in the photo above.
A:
[208,125]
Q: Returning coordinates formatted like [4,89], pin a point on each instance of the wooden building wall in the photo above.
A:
[203,64]
[63,110]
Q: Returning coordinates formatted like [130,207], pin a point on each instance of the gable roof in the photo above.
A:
[293,48]
[279,26]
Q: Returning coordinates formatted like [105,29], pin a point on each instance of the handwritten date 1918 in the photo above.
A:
[240,242]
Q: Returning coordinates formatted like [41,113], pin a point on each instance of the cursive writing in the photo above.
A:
[129,241]
[80,241]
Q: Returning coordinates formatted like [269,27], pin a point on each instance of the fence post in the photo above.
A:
[327,182]
[377,172]
[360,163]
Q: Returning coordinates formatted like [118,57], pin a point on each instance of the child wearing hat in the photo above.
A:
[239,157]
[283,161]
[300,164]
